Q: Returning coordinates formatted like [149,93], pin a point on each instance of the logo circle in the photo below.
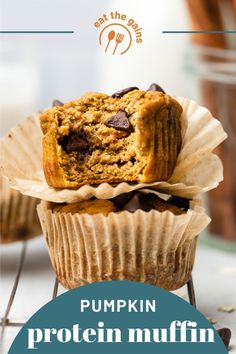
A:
[125,33]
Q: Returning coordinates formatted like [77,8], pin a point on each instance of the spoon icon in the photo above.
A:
[111,36]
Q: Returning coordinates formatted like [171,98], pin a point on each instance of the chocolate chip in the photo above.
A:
[155,87]
[181,203]
[225,334]
[123,92]
[74,142]
[122,199]
[57,103]
[149,201]
[120,121]
[138,201]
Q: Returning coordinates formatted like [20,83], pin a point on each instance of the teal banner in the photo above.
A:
[118,317]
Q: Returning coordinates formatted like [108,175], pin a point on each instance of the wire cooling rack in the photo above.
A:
[7,321]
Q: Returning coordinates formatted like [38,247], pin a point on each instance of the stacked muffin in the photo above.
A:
[18,216]
[99,153]
[131,136]
[137,237]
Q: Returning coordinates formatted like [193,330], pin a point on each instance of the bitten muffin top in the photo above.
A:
[131,136]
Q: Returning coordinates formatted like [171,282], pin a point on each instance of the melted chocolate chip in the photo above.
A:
[225,334]
[149,201]
[138,201]
[123,92]
[57,103]
[74,142]
[120,121]
[122,199]
[155,87]
[181,203]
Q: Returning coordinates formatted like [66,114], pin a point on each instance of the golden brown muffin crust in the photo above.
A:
[82,146]
[87,207]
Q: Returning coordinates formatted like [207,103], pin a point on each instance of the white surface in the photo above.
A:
[214,278]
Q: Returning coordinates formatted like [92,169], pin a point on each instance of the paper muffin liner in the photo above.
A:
[18,217]
[153,247]
[197,169]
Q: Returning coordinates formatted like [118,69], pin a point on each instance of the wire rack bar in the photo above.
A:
[5,320]
[13,323]
[55,289]
[191,293]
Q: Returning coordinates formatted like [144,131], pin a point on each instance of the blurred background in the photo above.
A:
[67,65]
[35,69]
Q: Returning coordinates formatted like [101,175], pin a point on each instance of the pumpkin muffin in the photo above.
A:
[18,216]
[131,136]
[136,236]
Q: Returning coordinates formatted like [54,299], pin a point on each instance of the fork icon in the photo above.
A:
[119,39]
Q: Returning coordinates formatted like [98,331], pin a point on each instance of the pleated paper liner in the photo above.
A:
[18,219]
[153,247]
[197,169]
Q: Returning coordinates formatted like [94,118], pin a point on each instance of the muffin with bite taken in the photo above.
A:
[131,136]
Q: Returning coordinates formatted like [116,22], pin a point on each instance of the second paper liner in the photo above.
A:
[197,169]
[153,247]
